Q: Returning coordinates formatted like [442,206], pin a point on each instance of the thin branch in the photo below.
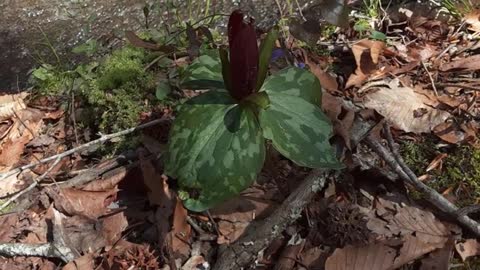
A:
[31,186]
[82,147]
[431,78]
[395,161]
[469,87]
[48,250]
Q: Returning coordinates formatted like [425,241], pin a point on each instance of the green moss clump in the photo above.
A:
[460,169]
[116,90]
[125,65]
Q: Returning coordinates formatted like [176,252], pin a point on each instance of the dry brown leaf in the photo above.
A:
[109,182]
[371,257]
[113,226]
[327,81]
[469,248]
[91,204]
[403,220]
[159,193]
[82,263]
[449,132]
[366,53]
[400,106]
[11,104]
[236,214]
[181,231]
[83,234]
[470,63]
[25,127]
[379,256]
[438,259]
[334,107]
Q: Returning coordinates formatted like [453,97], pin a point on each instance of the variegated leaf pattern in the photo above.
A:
[205,72]
[294,82]
[297,127]
[216,147]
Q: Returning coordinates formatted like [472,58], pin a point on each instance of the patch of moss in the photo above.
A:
[460,169]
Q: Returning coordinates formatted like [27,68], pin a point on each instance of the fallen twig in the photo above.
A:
[395,161]
[82,147]
[48,250]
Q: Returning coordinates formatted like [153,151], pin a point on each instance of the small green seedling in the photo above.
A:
[217,142]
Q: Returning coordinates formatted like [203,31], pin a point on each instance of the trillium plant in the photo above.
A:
[217,143]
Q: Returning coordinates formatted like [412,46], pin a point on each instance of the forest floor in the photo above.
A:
[82,150]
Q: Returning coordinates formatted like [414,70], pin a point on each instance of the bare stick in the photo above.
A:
[31,186]
[430,194]
[48,250]
[259,234]
[431,78]
[82,147]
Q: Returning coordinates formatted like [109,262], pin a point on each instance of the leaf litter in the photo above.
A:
[135,218]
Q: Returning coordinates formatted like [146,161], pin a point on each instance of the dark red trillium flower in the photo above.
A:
[244,55]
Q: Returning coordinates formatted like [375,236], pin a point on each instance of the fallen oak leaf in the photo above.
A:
[398,105]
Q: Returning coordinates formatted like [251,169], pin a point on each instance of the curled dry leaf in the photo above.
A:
[400,106]
[327,81]
[25,127]
[366,53]
[469,248]
[11,104]
[341,116]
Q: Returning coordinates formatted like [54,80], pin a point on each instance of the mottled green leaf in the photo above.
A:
[293,121]
[294,82]
[162,91]
[205,72]
[265,56]
[216,148]
[299,130]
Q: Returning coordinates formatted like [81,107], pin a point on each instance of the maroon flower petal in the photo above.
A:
[243,55]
